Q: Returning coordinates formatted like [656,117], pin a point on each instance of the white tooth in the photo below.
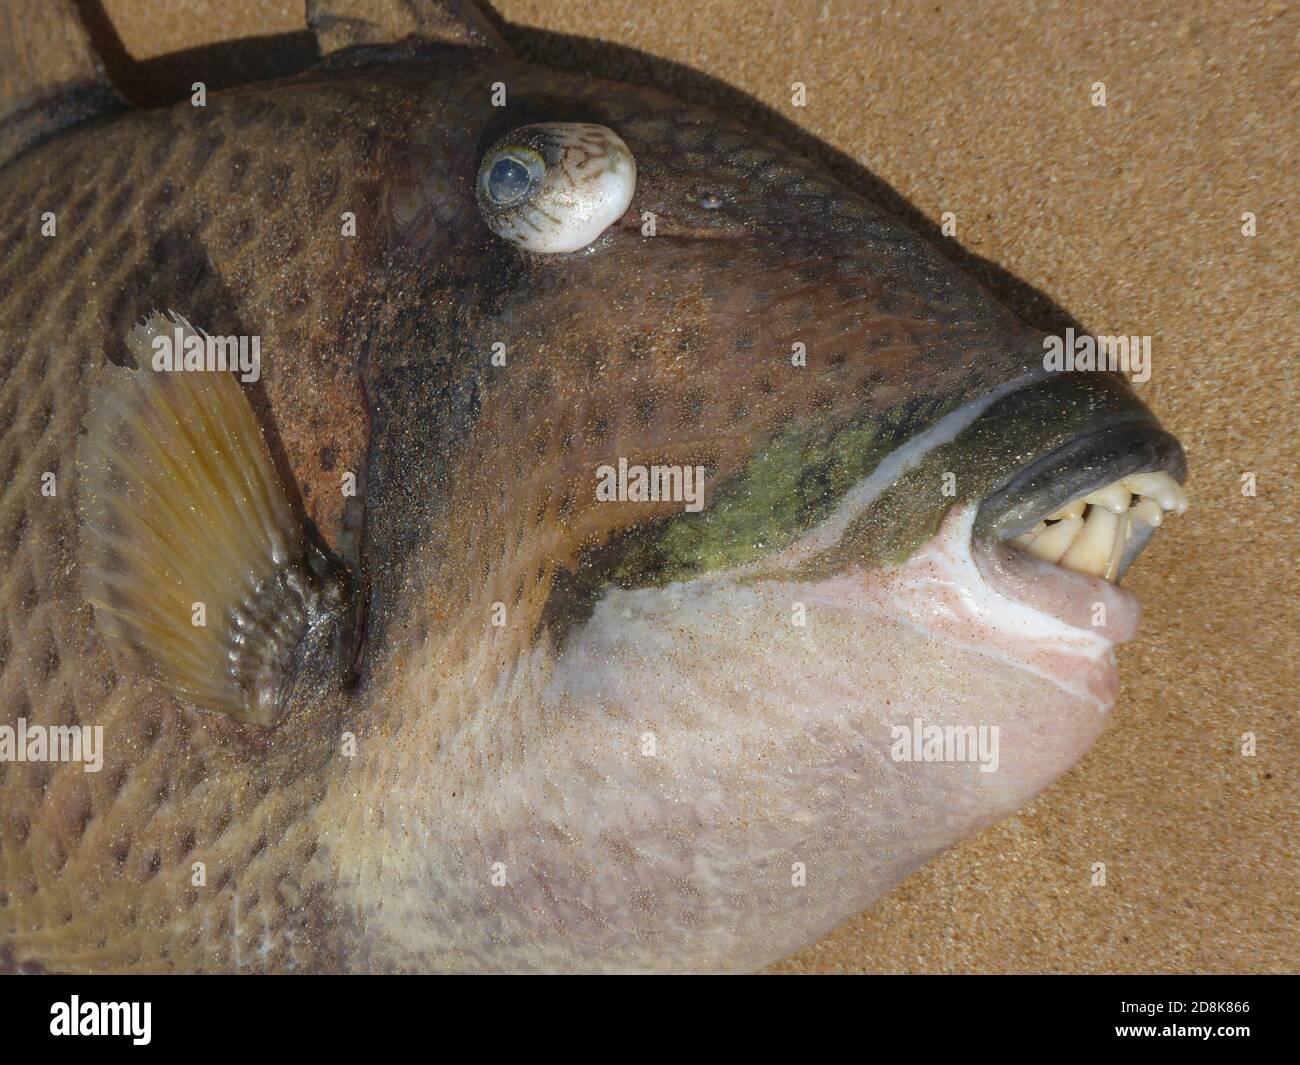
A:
[1182,498]
[1026,538]
[1090,551]
[1117,548]
[1070,510]
[1051,543]
[1158,486]
[1149,512]
[1114,497]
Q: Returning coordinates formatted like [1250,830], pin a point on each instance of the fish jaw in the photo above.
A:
[698,781]
[787,733]
[1031,615]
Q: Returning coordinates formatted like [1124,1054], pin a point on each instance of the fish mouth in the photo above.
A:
[1091,505]
[1060,532]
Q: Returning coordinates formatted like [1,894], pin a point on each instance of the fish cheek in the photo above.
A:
[792,697]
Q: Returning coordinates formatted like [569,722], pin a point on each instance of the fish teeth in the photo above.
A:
[1120,542]
[1091,534]
[1070,510]
[1114,497]
[1149,512]
[1052,542]
[1160,487]
[1025,539]
[1091,550]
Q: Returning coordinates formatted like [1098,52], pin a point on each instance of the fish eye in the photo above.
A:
[511,177]
[555,187]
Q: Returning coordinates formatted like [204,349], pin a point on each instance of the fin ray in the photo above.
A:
[181,505]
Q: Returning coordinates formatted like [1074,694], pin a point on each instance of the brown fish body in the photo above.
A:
[477,796]
[164,209]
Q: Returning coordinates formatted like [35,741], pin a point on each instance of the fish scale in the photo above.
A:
[134,831]
[480,745]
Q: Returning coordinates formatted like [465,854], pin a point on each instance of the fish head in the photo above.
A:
[702,476]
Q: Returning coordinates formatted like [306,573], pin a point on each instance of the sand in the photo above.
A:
[1129,218]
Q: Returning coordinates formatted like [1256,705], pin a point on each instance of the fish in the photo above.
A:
[461,516]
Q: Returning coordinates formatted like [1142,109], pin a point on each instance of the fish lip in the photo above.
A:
[1083,464]
[1068,596]
[1062,603]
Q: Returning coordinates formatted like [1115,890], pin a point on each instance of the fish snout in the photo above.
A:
[1090,505]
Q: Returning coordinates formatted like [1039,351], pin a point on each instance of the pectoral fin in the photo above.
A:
[192,555]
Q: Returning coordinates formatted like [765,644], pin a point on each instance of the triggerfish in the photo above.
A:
[461,516]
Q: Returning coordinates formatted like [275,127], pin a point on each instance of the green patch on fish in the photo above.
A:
[386,682]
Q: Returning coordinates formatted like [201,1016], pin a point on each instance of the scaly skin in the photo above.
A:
[499,811]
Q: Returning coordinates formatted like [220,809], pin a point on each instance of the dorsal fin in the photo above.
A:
[50,74]
[341,24]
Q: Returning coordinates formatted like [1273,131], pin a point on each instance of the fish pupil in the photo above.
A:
[508,181]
